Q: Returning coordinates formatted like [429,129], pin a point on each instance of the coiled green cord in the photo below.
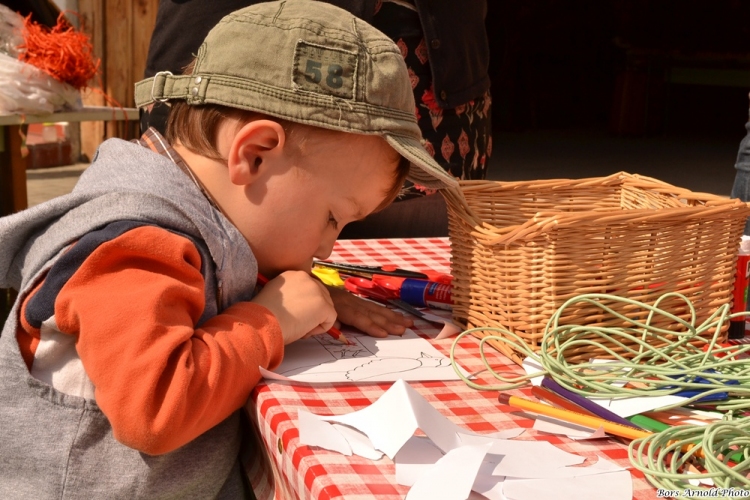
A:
[653,361]
[665,457]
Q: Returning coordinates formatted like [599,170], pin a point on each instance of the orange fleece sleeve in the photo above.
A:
[161,381]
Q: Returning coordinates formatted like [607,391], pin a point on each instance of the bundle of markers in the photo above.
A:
[403,289]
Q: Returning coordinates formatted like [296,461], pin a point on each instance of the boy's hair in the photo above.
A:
[197,128]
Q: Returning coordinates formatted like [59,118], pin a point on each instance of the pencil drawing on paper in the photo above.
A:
[324,359]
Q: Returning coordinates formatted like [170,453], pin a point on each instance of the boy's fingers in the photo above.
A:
[388,325]
[362,319]
[395,323]
[378,324]
[374,319]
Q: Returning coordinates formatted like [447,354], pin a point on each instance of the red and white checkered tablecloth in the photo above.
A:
[292,471]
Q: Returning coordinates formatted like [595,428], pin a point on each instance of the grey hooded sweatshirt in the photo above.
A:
[55,445]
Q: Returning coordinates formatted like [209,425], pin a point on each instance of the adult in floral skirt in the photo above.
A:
[444,44]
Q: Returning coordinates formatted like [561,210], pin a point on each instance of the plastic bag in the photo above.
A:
[11,24]
[27,89]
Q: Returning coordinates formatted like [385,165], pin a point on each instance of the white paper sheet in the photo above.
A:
[314,431]
[531,366]
[487,484]
[633,406]
[324,359]
[361,444]
[612,486]
[394,418]
[530,459]
[602,466]
[452,476]
[573,431]
[414,458]
[492,486]
[449,328]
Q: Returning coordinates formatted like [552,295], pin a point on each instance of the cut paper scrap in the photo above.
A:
[492,486]
[419,453]
[601,365]
[532,367]
[361,444]
[514,457]
[449,452]
[610,485]
[489,485]
[452,476]
[414,458]
[449,328]
[394,418]
[573,431]
[627,407]
[692,471]
[506,434]
[324,359]
[314,431]
[601,466]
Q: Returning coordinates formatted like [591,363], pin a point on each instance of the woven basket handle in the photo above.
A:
[457,204]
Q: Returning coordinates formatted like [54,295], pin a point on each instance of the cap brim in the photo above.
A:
[424,171]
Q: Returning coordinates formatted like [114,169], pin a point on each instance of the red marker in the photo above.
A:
[333,331]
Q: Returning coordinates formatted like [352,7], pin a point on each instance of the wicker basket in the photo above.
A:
[522,249]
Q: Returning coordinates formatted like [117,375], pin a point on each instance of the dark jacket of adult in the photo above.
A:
[454,33]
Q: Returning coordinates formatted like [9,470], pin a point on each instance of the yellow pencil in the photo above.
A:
[574,417]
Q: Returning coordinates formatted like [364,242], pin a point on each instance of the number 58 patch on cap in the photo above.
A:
[324,70]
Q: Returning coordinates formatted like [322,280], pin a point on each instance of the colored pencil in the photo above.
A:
[557,400]
[592,407]
[574,417]
[333,331]
[648,423]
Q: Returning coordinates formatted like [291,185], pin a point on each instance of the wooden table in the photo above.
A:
[13,197]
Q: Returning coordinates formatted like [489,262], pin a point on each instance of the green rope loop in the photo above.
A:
[652,361]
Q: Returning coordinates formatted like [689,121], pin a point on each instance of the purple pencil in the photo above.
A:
[585,403]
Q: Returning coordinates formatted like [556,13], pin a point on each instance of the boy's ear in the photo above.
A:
[251,147]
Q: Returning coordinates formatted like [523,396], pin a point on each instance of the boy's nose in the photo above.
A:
[326,246]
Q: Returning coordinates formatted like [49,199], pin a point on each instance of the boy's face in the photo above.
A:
[300,206]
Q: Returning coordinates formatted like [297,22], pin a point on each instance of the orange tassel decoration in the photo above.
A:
[62,52]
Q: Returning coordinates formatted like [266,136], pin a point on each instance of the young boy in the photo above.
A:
[136,337]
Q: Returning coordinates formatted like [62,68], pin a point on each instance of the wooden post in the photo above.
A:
[119,70]
[92,23]
[13,197]
[120,32]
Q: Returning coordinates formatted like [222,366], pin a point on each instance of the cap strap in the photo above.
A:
[161,80]
[164,86]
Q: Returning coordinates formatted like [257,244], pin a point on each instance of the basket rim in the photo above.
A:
[619,178]
[712,207]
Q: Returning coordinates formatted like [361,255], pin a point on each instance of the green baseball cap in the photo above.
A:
[308,62]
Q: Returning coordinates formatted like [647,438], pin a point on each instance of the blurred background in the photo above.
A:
[580,87]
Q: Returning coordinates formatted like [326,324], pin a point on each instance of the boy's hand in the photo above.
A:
[301,304]
[373,319]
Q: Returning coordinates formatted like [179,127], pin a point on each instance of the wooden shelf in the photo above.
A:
[87,113]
